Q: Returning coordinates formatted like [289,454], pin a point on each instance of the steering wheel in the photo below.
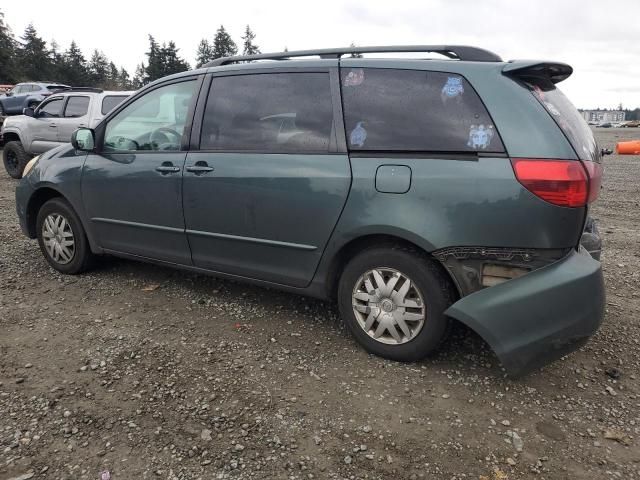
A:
[161,136]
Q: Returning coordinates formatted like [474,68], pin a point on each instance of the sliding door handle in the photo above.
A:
[199,168]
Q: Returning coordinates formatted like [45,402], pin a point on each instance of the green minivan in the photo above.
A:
[413,192]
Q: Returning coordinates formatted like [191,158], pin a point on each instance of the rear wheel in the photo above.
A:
[393,299]
[15,158]
[62,238]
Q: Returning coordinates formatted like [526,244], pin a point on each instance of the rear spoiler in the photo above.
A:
[535,69]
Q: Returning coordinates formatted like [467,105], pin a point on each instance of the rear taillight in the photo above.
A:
[567,183]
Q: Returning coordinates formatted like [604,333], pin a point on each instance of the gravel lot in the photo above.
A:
[149,372]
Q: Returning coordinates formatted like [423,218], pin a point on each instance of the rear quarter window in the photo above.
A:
[567,117]
[412,110]
[110,102]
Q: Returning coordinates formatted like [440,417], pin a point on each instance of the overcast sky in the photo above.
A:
[600,39]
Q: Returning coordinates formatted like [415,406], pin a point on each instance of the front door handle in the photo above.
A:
[199,168]
[167,167]
[52,125]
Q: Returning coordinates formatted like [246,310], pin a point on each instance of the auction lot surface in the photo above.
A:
[153,373]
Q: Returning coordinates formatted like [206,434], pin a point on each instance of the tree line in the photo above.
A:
[29,58]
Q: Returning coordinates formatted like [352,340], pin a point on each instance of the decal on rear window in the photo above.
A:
[358,135]
[354,78]
[453,88]
[480,136]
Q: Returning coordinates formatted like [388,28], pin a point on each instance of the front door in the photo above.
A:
[43,126]
[132,188]
[267,186]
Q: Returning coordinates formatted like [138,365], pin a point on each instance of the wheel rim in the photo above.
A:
[58,238]
[388,306]
[12,159]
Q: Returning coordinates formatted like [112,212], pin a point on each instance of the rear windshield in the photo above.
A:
[568,119]
[110,102]
[413,110]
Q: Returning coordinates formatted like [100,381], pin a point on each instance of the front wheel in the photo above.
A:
[62,238]
[15,158]
[393,299]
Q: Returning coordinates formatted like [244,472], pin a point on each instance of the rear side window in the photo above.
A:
[411,110]
[567,117]
[76,107]
[271,112]
[110,102]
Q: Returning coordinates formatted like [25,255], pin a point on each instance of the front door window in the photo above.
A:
[153,122]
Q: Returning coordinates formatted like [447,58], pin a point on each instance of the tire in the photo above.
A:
[63,224]
[429,294]
[15,158]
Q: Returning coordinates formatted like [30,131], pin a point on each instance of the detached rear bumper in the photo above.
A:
[535,319]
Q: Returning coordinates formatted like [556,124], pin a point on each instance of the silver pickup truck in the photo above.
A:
[52,122]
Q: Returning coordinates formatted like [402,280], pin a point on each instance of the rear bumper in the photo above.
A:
[535,319]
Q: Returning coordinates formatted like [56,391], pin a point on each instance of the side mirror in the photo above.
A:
[29,112]
[84,139]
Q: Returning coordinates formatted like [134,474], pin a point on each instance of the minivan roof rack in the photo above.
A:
[456,52]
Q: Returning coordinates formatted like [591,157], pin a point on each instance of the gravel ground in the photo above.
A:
[148,372]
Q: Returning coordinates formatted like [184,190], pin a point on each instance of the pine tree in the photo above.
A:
[171,62]
[355,55]
[140,77]
[98,69]
[124,82]
[248,47]
[112,81]
[8,67]
[204,54]
[155,68]
[223,45]
[74,71]
[33,56]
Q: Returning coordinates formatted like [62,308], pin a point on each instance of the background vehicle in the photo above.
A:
[631,124]
[52,122]
[25,95]
[604,125]
[410,191]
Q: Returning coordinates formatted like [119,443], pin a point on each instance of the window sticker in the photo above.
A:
[354,78]
[480,136]
[358,135]
[453,88]
[552,109]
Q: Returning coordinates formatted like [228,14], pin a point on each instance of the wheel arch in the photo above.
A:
[37,200]
[351,248]
[11,137]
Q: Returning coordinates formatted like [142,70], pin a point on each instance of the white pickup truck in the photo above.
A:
[52,123]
